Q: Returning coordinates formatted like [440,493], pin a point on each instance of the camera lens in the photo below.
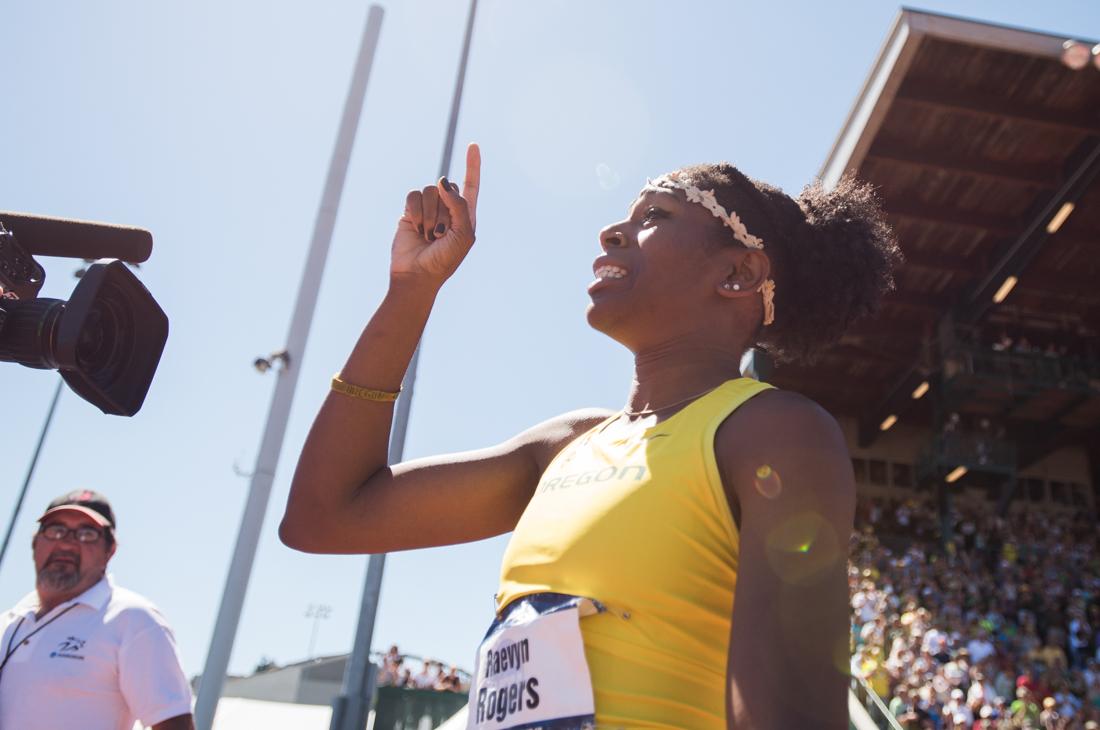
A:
[101,347]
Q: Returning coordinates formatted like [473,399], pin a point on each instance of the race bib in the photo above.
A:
[531,671]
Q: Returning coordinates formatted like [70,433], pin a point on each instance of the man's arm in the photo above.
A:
[791,477]
[150,677]
[180,722]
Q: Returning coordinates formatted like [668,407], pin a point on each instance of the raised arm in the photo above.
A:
[788,466]
[344,497]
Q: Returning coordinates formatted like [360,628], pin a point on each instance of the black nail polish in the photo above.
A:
[439,229]
[431,236]
[446,183]
[420,228]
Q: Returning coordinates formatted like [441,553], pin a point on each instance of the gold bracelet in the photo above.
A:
[356,391]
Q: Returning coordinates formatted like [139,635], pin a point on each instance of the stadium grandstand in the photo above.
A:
[972,402]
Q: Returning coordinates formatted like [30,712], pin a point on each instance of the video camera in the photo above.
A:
[107,339]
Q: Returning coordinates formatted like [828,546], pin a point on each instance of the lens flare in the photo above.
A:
[767,482]
[802,548]
[608,178]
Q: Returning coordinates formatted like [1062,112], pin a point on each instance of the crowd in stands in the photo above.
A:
[396,672]
[998,627]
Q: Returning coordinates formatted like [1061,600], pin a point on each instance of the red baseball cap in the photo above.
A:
[85,501]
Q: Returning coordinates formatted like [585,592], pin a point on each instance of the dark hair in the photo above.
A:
[832,254]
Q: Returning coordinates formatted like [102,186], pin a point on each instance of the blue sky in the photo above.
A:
[212,123]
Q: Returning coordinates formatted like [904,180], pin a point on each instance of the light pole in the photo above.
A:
[319,613]
[259,491]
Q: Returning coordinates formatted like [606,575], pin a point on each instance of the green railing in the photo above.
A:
[398,708]
[977,451]
[1020,371]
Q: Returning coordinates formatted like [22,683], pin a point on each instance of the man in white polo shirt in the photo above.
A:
[80,652]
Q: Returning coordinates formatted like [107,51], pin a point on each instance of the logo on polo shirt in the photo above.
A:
[68,648]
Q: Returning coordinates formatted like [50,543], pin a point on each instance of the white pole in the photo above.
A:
[351,707]
[240,569]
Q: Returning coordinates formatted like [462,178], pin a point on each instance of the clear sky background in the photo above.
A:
[211,123]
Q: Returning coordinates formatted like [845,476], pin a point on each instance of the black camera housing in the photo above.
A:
[107,339]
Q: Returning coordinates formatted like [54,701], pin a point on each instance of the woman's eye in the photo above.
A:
[651,214]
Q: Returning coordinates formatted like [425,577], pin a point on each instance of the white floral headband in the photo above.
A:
[707,199]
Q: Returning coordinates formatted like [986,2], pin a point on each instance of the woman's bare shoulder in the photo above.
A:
[549,437]
[777,424]
[782,414]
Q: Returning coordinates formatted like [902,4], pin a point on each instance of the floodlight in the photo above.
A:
[956,474]
[1076,55]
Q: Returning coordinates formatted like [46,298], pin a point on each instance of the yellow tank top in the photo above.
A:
[642,525]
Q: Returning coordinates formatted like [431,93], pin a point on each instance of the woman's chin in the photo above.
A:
[603,319]
[597,317]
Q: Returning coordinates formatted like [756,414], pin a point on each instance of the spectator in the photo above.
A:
[1023,709]
[79,651]
[1049,717]
[957,710]
[391,669]
[1050,653]
[980,647]
[449,682]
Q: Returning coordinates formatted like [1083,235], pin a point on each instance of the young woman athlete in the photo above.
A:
[705,524]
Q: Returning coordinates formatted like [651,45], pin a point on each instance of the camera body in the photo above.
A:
[107,339]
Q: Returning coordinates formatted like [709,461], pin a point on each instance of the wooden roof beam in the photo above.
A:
[921,303]
[942,261]
[1012,172]
[976,103]
[940,215]
[1046,282]
[911,328]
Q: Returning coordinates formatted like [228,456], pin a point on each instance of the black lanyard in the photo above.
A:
[11,650]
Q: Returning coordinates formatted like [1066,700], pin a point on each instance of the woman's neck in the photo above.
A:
[667,376]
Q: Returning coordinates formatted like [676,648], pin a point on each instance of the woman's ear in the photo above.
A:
[744,274]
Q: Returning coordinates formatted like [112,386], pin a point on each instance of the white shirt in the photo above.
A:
[97,662]
[934,641]
[980,649]
[424,680]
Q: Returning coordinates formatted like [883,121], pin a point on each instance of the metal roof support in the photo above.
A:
[1018,255]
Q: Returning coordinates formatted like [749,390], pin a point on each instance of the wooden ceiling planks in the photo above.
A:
[973,138]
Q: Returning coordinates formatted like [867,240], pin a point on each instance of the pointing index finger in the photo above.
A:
[471,186]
